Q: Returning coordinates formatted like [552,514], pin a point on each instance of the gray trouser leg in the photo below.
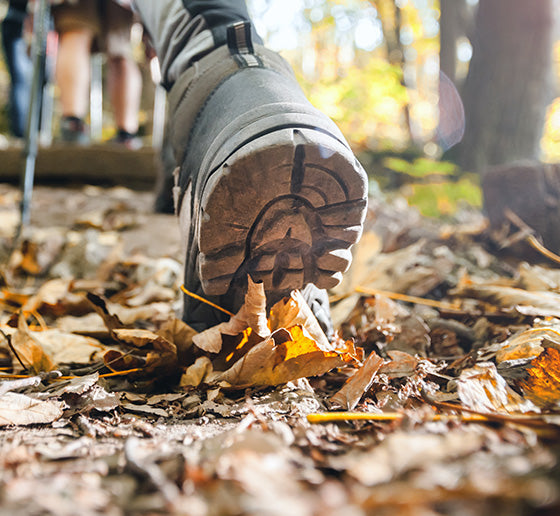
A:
[183,31]
[178,37]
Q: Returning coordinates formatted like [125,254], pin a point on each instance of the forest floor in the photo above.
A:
[444,375]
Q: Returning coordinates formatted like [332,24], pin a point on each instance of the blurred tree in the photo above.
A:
[508,84]
[390,15]
[454,24]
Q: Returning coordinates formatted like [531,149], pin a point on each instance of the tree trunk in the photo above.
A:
[450,30]
[508,85]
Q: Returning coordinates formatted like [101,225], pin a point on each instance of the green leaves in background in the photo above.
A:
[436,188]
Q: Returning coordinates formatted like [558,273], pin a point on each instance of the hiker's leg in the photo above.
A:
[266,184]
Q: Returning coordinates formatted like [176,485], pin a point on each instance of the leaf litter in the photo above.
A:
[447,355]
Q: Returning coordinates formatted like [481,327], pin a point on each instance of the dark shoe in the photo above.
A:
[73,130]
[268,185]
[129,140]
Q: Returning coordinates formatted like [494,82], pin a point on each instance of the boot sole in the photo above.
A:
[285,209]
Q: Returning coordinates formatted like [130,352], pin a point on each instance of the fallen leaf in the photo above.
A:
[148,351]
[542,386]
[196,373]
[525,302]
[94,325]
[405,451]
[110,320]
[55,296]
[145,409]
[358,384]
[29,349]
[294,311]
[251,315]
[481,388]
[19,409]
[401,365]
[527,344]
[286,355]
[181,334]
[67,348]
[413,336]
[38,251]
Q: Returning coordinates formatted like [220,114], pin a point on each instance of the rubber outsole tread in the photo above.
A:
[285,209]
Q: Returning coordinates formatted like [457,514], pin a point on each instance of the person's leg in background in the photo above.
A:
[124,80]
[266,184]
[19,65]
[77,26]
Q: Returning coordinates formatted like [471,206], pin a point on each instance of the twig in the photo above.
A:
[517,221]
[520,419]
[406,298]
[331,417]
[40,320]
[12,385]
[202,300]
[10,345]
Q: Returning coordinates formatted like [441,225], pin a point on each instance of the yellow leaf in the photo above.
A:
[542,386]
[283,357]
[294,311]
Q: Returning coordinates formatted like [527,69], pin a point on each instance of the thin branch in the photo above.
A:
[9,341]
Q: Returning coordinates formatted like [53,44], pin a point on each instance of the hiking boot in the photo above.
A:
[73,130]
[125,139]
[267,187]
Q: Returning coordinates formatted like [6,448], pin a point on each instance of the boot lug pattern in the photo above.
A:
[286,209]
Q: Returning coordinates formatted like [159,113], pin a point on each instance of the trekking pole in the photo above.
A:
[160,96]
[38,49]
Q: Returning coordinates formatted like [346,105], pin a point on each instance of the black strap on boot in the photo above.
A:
[240,44]
[218,14]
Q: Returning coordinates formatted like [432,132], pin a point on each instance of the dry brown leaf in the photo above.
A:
[142,338]
[542,386]
[94,325]
[196,373]
[527,344]
[401,364]
[29,349]
[181,334]
[481,388]
[66,348]
[294,311]
[109,219]
[235,347]
[19,409]
[413,336]
[38,251]
[358,384]
[283,357]
[111,321]
[525,302]
[403,451]
[55,296]
[364,254]
[149,351]
[12,298]
[251,315]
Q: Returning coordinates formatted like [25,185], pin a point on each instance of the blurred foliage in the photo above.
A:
[366,103]
[436,188]
[381,90]
[550,142]
[370,65]
[421,167]
[444,198]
